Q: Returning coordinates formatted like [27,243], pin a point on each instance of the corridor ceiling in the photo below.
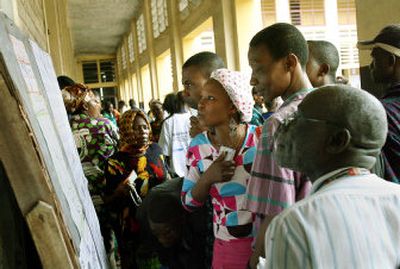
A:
[98,25]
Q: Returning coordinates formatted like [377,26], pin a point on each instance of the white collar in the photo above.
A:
[320,181]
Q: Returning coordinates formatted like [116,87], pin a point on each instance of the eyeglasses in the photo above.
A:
[297,115]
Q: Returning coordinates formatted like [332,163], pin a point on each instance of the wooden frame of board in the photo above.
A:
[40,159]
[29,180]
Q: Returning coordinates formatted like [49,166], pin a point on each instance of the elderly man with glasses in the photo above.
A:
[351,217]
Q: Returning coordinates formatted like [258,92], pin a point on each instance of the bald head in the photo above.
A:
[358,111]
[336,126]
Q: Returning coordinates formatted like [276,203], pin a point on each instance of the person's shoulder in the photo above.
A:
[79,118]
[154,147]
[251,128]
[253,131]
[377,183]
[172,186]
[182,118]
[119,155]
[168,119]
[283,112]
[298,211]
[198,140]
[104,121]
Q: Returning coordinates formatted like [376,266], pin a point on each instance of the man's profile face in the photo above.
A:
[381,68]
[312,69]
[193,80]
[269,76]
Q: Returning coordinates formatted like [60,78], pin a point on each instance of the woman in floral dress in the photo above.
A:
[96,140]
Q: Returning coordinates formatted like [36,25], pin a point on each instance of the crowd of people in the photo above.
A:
[287,168]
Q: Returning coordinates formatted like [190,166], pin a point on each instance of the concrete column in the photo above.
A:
[249,22]
[150,48]
[282,11]
[53,35]
[371,18]
[175,42]
[129,70]
[225,33]
[137,63]
[8,7]
[119,80]
[331,21]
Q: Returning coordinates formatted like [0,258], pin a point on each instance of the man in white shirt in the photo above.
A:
[351,218]
[174,137]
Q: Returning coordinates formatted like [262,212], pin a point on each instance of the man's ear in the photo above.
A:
[323,69]
[338,141]
[391,59]
[291,62]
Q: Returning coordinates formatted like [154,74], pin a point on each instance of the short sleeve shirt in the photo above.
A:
[272,188]
[227,197]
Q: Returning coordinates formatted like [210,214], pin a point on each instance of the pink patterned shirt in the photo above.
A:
[228,198]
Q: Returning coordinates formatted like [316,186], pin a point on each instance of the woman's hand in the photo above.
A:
[123,188]
[195,126]
[121,191]
[220,170]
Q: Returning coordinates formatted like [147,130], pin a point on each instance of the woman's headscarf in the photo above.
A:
[237,85]
[76,96]
[128,140]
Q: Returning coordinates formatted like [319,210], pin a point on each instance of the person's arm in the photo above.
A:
[271,188]
[165,139]
[121,191]
[259,247]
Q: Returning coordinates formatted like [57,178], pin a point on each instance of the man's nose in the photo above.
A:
[253,81]
[185,92]
[201,104]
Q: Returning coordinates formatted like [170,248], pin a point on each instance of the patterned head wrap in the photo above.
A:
[237,85]
[128,140]
[76,96]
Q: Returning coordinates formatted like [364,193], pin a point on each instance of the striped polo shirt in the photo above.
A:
[350,222]
[272,188]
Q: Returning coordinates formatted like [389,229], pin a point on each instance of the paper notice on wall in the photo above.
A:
[88,258]
[89,226]
[54,98]
[59,173]
[25,66]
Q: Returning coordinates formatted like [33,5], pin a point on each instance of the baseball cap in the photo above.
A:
[387,39]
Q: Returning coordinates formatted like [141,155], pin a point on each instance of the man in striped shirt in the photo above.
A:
[351,217]
[385,69]
[277,56]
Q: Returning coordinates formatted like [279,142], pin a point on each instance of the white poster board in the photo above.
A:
[32,74]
